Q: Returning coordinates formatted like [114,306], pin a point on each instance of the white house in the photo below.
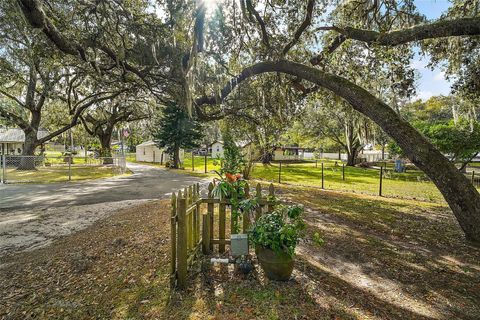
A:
[217,149]
[11,140]
[288,153]
[149,152]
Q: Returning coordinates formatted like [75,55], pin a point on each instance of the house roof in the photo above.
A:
[147,143]
[216,141]
[16,135]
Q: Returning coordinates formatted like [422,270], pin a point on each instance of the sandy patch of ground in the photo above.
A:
[33,228]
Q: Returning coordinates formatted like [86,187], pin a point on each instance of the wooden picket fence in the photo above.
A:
[193,225]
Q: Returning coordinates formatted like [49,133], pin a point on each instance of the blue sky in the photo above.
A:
[431,82]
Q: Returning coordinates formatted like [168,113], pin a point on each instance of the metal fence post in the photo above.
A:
[322,177]
[343,171]
[381,181]
[4,171]
[205,163]
[473,178]
[280,173]
[70,168]
[193,162]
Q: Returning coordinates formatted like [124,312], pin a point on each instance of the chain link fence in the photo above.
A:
[42,169]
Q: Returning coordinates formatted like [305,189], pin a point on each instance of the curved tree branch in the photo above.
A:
[261,23]
[463,198]
[77,115]
[19,121]
[33,12]
[437,29]
[301,28]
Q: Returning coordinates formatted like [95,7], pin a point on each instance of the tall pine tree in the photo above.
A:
[175,130]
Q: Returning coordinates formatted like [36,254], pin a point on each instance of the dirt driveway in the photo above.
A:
[33,215]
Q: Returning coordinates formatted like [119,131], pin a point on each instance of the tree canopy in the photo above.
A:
[186,54]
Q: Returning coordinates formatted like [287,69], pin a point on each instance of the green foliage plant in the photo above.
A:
[279,230]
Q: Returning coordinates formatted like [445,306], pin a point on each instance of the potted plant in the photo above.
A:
[275,236]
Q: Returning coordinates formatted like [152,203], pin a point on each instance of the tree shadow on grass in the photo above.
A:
[410,254]
[312,293]
[382,259]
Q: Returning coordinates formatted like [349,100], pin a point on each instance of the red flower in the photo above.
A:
[230,177]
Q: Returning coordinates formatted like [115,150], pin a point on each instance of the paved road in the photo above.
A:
[146,182]
[33,215]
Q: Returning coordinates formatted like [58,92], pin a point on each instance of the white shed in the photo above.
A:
[288,154]
[149,152]
[217,149]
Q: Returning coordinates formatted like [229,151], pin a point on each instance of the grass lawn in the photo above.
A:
[411,185]
[60,174]
[382,258]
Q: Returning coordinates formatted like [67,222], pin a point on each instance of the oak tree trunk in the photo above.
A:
[106,150]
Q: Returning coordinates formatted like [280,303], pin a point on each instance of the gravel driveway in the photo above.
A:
[33,215]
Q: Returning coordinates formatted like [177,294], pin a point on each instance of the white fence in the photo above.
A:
[370,155]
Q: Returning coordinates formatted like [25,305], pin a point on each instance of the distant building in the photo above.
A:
[288,153]
[216,149]
[149,152]
[12,140]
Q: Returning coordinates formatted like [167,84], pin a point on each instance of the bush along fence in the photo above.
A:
[193,225]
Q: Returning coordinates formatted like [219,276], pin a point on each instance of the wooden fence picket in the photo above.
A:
[221,227]
[258,195]
[173,240]
[191,229]
[211,216]
[182,245]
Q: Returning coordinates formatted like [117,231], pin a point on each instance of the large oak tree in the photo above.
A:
[276,40]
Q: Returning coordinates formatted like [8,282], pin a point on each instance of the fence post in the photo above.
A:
[343,171]
[221,226]
[271,196]
[70,168]
[246,215]
[182,242]
[173,241]
[193,162]
[258,194]
[210,214]
[4,166]
[316,163]
[322,177]
[280,173]
[381,181]
[473,177]
[205,163]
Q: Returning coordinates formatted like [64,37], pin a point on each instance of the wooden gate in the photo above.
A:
[198,222]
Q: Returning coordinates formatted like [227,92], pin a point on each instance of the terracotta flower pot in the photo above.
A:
[276,266]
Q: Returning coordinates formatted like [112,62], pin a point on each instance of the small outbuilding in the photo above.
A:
[150,152]
[288,154]
[216,149]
